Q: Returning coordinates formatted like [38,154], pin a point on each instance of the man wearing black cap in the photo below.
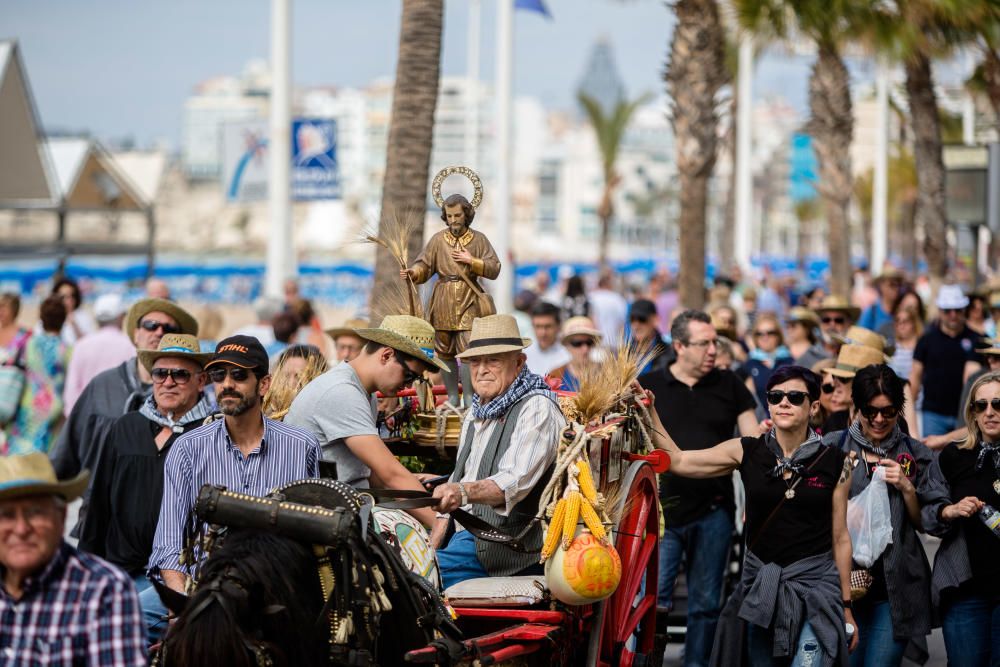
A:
[245,451]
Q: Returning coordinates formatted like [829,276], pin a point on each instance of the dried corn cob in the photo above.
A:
[592,521]
[573,502]
[586,481]
[555,530]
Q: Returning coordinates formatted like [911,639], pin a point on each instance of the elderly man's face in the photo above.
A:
[31,529]
[493,373]
[151,328]
[177,383]
[348,347]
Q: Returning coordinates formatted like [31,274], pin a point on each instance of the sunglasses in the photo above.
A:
[586,342]
[952,311]
[828,387]
[833,320]
[409,377]
[982,404]
[794,397]
[153,325]
[770,332]
[218,375]
[180,375]
[888,412]
[639,319]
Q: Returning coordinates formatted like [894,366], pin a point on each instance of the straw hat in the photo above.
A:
[804,315]
[838,304]
[32,475]
[181,346]
[494,334]
[993,349]
[142,307]
[579,326]
[853,358]
[347,328]
[407,334]
[890,273]
[861,336]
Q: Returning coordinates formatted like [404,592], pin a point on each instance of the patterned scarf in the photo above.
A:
[881,451]
[796,462]
[201,409]
[525,384]
[988,449]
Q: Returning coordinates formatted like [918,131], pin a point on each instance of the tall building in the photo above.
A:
[602,80]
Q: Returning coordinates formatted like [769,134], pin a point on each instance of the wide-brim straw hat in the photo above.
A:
[804,315]
[494,334]
[407,334]
[890,273]
[181,346]
[861,336]
[838,304]
[853,358]
[993,349]
[579,326]
[347,328]
[185,320]
[33,475]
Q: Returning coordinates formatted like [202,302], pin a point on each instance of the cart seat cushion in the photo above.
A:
[498,592]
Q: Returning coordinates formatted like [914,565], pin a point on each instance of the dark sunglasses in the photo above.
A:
[888,412]
[794,397]
[180,375]
[153,325]
[769,332]
[833,320]
[828,387]
[581,343]
[409,377]
[638,318]
[982,404]
[218,375]
[952,311]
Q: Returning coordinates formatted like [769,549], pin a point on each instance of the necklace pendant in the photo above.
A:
[996,486]
[790,493]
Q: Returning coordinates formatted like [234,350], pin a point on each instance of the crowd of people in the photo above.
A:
[809,396]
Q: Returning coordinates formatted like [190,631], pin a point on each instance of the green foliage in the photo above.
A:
[609,128]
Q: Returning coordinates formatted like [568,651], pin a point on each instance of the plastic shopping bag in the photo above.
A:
[869,521]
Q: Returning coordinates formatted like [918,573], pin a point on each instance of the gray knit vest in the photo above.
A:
[498,560]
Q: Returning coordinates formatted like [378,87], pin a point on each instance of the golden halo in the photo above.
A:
[477,185]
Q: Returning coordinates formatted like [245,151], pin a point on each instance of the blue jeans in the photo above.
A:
[972,632]
[936,424]
[458,561]
[808,652]
[703,545]
[876,645]
[154,613]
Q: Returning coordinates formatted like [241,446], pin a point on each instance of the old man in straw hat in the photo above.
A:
[506,449]
[339,406]
[58,606]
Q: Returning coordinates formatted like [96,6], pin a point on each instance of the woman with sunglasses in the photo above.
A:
[581,338]
[792,604]
[895,611]
[964,585]
[768,353]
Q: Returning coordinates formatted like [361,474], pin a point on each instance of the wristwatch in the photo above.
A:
[465,494]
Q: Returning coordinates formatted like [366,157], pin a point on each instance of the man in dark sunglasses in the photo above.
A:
[836,315]
[127,487]
[117,390]
[244,451]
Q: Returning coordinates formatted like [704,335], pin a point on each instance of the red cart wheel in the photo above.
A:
[625,624]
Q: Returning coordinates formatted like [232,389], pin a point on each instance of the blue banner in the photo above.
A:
[314,159]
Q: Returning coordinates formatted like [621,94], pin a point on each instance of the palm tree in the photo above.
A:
[411,128]
[694,76]
[828,24]
[609,130]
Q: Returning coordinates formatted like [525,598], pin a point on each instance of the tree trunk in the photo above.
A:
[694,76]
[832,126]
[411,128]
[991,76]
[930,214]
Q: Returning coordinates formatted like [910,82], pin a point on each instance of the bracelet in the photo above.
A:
[465,494]
[848,604]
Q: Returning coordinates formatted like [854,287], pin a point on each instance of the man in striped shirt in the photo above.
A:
[245,451]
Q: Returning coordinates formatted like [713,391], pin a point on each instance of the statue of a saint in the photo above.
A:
[459,256]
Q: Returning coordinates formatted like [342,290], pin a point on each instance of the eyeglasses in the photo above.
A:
[982,404]
[828,387]
[584,342]
[409,377]
[952,311]
[180,375]
[794,397]
[703,343]
[888,412]
[833,320]
[769,332]
[218,375]
[36,515]
[153,325]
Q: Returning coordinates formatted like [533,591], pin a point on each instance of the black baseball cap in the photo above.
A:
[642,310]
[242,351]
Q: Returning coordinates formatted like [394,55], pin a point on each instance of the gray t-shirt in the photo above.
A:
[332,407]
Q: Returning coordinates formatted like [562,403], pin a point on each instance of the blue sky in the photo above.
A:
[121,68]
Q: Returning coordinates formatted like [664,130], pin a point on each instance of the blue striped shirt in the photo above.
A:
[207,455]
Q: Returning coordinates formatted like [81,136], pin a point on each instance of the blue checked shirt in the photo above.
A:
[207,455]
[80,610]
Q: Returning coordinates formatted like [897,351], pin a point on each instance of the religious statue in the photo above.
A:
[459,256]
